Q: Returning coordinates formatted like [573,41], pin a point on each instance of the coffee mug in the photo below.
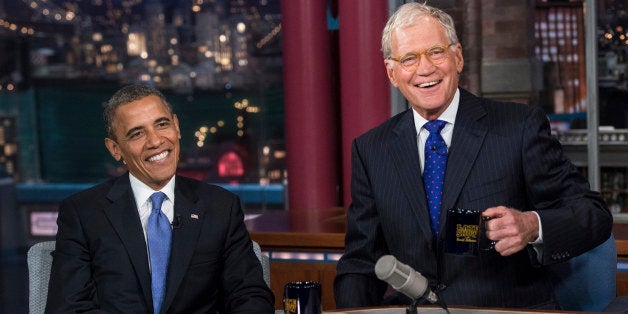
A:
[484,243]
[465,232]
[302,297]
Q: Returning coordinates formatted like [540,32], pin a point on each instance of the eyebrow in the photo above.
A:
[132,130]
[137,128]
[162,119]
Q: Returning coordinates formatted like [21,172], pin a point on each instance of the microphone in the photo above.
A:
[440,149]
[176,222]
[404,279]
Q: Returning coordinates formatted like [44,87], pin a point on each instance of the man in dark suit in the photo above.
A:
[109,257]
[501,160]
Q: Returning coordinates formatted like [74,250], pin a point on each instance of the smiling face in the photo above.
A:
[429,88]
[147,139]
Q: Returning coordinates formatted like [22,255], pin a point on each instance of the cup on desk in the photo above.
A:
[302,297]
[465,232]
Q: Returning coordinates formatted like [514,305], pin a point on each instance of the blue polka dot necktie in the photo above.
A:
[434,170]
[159,236]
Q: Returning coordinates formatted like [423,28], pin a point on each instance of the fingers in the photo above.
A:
[502,222]
[510,228]
[495,212]
[510,245]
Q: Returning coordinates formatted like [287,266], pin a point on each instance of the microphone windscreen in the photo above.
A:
[385,266]
[387,269]
[401,276]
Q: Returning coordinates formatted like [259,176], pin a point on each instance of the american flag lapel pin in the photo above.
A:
[194,216]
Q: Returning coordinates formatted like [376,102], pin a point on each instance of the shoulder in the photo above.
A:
[397,123]
[497,112]
[89,201]
[99,190]
[493,106]
[202,189]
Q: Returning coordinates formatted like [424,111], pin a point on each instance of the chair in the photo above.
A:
[587,282]
[264,260]
[39,262]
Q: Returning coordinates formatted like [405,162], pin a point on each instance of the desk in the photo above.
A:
[436,310]
[305,245]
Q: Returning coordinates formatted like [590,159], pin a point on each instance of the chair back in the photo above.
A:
[39,263]
[264,260]
[587,282]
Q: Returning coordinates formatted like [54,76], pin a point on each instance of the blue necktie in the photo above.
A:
[434,170]
[159,235]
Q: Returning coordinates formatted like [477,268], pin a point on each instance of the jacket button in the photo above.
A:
[442,286]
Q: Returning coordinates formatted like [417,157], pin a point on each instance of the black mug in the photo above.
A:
[302,297]
[465,232]
[484,243]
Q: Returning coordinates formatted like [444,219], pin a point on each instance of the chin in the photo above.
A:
[162,176]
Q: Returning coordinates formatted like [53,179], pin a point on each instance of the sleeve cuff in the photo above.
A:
[538,240]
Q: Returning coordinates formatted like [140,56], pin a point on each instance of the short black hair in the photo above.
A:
[125,95]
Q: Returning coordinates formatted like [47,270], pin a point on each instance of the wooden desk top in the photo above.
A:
[437,310]
[304,230]
[326,220]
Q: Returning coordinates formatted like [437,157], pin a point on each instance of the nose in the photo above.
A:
[424,65]
[153,138]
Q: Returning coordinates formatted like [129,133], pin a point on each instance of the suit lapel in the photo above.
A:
[124,218]
[469,134]
[184,237]
[404,153]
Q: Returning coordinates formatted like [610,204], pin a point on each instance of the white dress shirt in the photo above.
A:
[142,193]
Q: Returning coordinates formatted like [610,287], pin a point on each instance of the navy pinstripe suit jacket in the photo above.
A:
[500,154]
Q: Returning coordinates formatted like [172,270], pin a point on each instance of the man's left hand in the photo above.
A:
[511,229]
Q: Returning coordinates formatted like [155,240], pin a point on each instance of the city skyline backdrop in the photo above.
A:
[179,45]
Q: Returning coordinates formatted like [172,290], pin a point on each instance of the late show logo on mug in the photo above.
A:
[290,305]
[466,233]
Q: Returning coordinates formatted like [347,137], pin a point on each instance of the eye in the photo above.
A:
[163,125]
[436,52]
[135,135]
[408,59]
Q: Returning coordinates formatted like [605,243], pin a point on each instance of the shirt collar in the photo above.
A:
[142,192]
[449,115]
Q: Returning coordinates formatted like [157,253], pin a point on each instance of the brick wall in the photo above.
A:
[498,45]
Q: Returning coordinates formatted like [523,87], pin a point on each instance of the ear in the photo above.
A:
[176,124]
[389,71]
[459,58]
[113,149]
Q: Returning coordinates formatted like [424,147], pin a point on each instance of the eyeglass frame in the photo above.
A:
[418,55]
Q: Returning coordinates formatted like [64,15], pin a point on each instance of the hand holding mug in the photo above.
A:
[511,229]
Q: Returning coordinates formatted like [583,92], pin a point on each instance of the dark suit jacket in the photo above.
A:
[500,154]
[100,263]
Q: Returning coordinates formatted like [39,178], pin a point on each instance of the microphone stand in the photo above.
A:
[412,308]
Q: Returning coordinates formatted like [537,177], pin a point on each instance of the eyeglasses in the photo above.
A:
[411,60]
